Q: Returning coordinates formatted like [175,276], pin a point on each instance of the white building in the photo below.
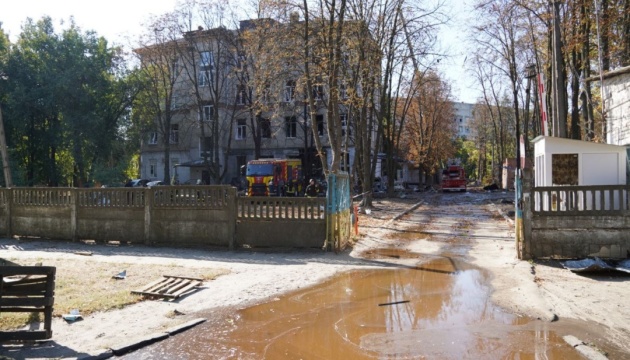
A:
[463,118]
[616,94]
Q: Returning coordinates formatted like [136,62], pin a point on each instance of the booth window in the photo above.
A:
[564,169]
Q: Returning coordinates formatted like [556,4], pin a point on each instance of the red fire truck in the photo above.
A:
[454,178]
[274,177]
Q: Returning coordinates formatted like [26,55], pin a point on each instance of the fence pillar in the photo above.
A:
[74,194]
[9,203]
[524,250]
[148,203]
[232,209]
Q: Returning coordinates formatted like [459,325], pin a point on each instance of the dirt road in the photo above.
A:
[443,223]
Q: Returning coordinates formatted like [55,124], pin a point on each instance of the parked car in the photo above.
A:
[137,183]
[155,183]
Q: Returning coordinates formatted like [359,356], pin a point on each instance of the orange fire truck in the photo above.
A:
[274,177]
[453,178]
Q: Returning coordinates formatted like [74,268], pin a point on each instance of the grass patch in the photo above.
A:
[88,286]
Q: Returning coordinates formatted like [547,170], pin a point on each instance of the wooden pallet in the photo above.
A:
[169,286]
[27,289]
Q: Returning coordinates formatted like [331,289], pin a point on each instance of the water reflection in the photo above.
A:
[439,310]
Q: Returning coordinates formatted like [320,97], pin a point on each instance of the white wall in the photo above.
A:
[617,106]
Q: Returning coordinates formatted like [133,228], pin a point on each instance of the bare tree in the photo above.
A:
[157,102]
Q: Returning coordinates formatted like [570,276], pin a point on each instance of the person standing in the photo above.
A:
[312,190]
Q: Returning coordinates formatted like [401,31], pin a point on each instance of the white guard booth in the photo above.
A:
[568,162]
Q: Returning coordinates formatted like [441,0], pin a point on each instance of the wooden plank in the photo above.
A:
[29,289]
[154,294]
[185,289]
[25,335]
[23,280]
[22,309]
[146,288]
[161,285]
[180,284]
[175,285]
[184,277]
[16,302]
[26,270]
[169,286]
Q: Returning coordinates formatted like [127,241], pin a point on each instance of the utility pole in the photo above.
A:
[5,155]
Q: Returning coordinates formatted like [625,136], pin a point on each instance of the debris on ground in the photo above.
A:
[121,275]
[73,316]
[596,265]
[170,286]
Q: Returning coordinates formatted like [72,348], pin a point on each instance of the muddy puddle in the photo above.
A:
[437,310]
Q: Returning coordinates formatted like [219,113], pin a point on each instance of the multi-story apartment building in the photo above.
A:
[217,107]
[463,119]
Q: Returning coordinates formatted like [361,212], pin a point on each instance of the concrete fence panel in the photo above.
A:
[576,222]
[281,222]
[42,212]
[193,216]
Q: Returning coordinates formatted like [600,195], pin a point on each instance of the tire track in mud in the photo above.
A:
[450,220]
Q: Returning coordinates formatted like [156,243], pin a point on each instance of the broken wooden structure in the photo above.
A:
[28,289]
[169,287]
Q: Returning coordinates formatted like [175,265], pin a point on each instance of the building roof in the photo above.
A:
[610,74]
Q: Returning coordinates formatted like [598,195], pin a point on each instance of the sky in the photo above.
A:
[112,19]
[117,19]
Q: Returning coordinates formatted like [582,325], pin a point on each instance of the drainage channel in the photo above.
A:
[438,309]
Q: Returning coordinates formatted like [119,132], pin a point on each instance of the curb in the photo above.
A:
[507,218]
[412,208]
[148,340]
[104,355]
[584,349]
[125,348]
[185,326]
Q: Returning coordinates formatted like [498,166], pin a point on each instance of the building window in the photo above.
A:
[345,162]
[345,127]
[343,91]
[318,92]
[241,129]
[153,138]
[207,114]
[320,125]
[174,134]
[565,169]
[207,60]
[205,147]
[174,67]
[289,91]
[264,126]
[240,61]
[291,126]
[205,78]
[241,96]
[152,168]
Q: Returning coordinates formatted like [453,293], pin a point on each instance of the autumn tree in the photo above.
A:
[429,134]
